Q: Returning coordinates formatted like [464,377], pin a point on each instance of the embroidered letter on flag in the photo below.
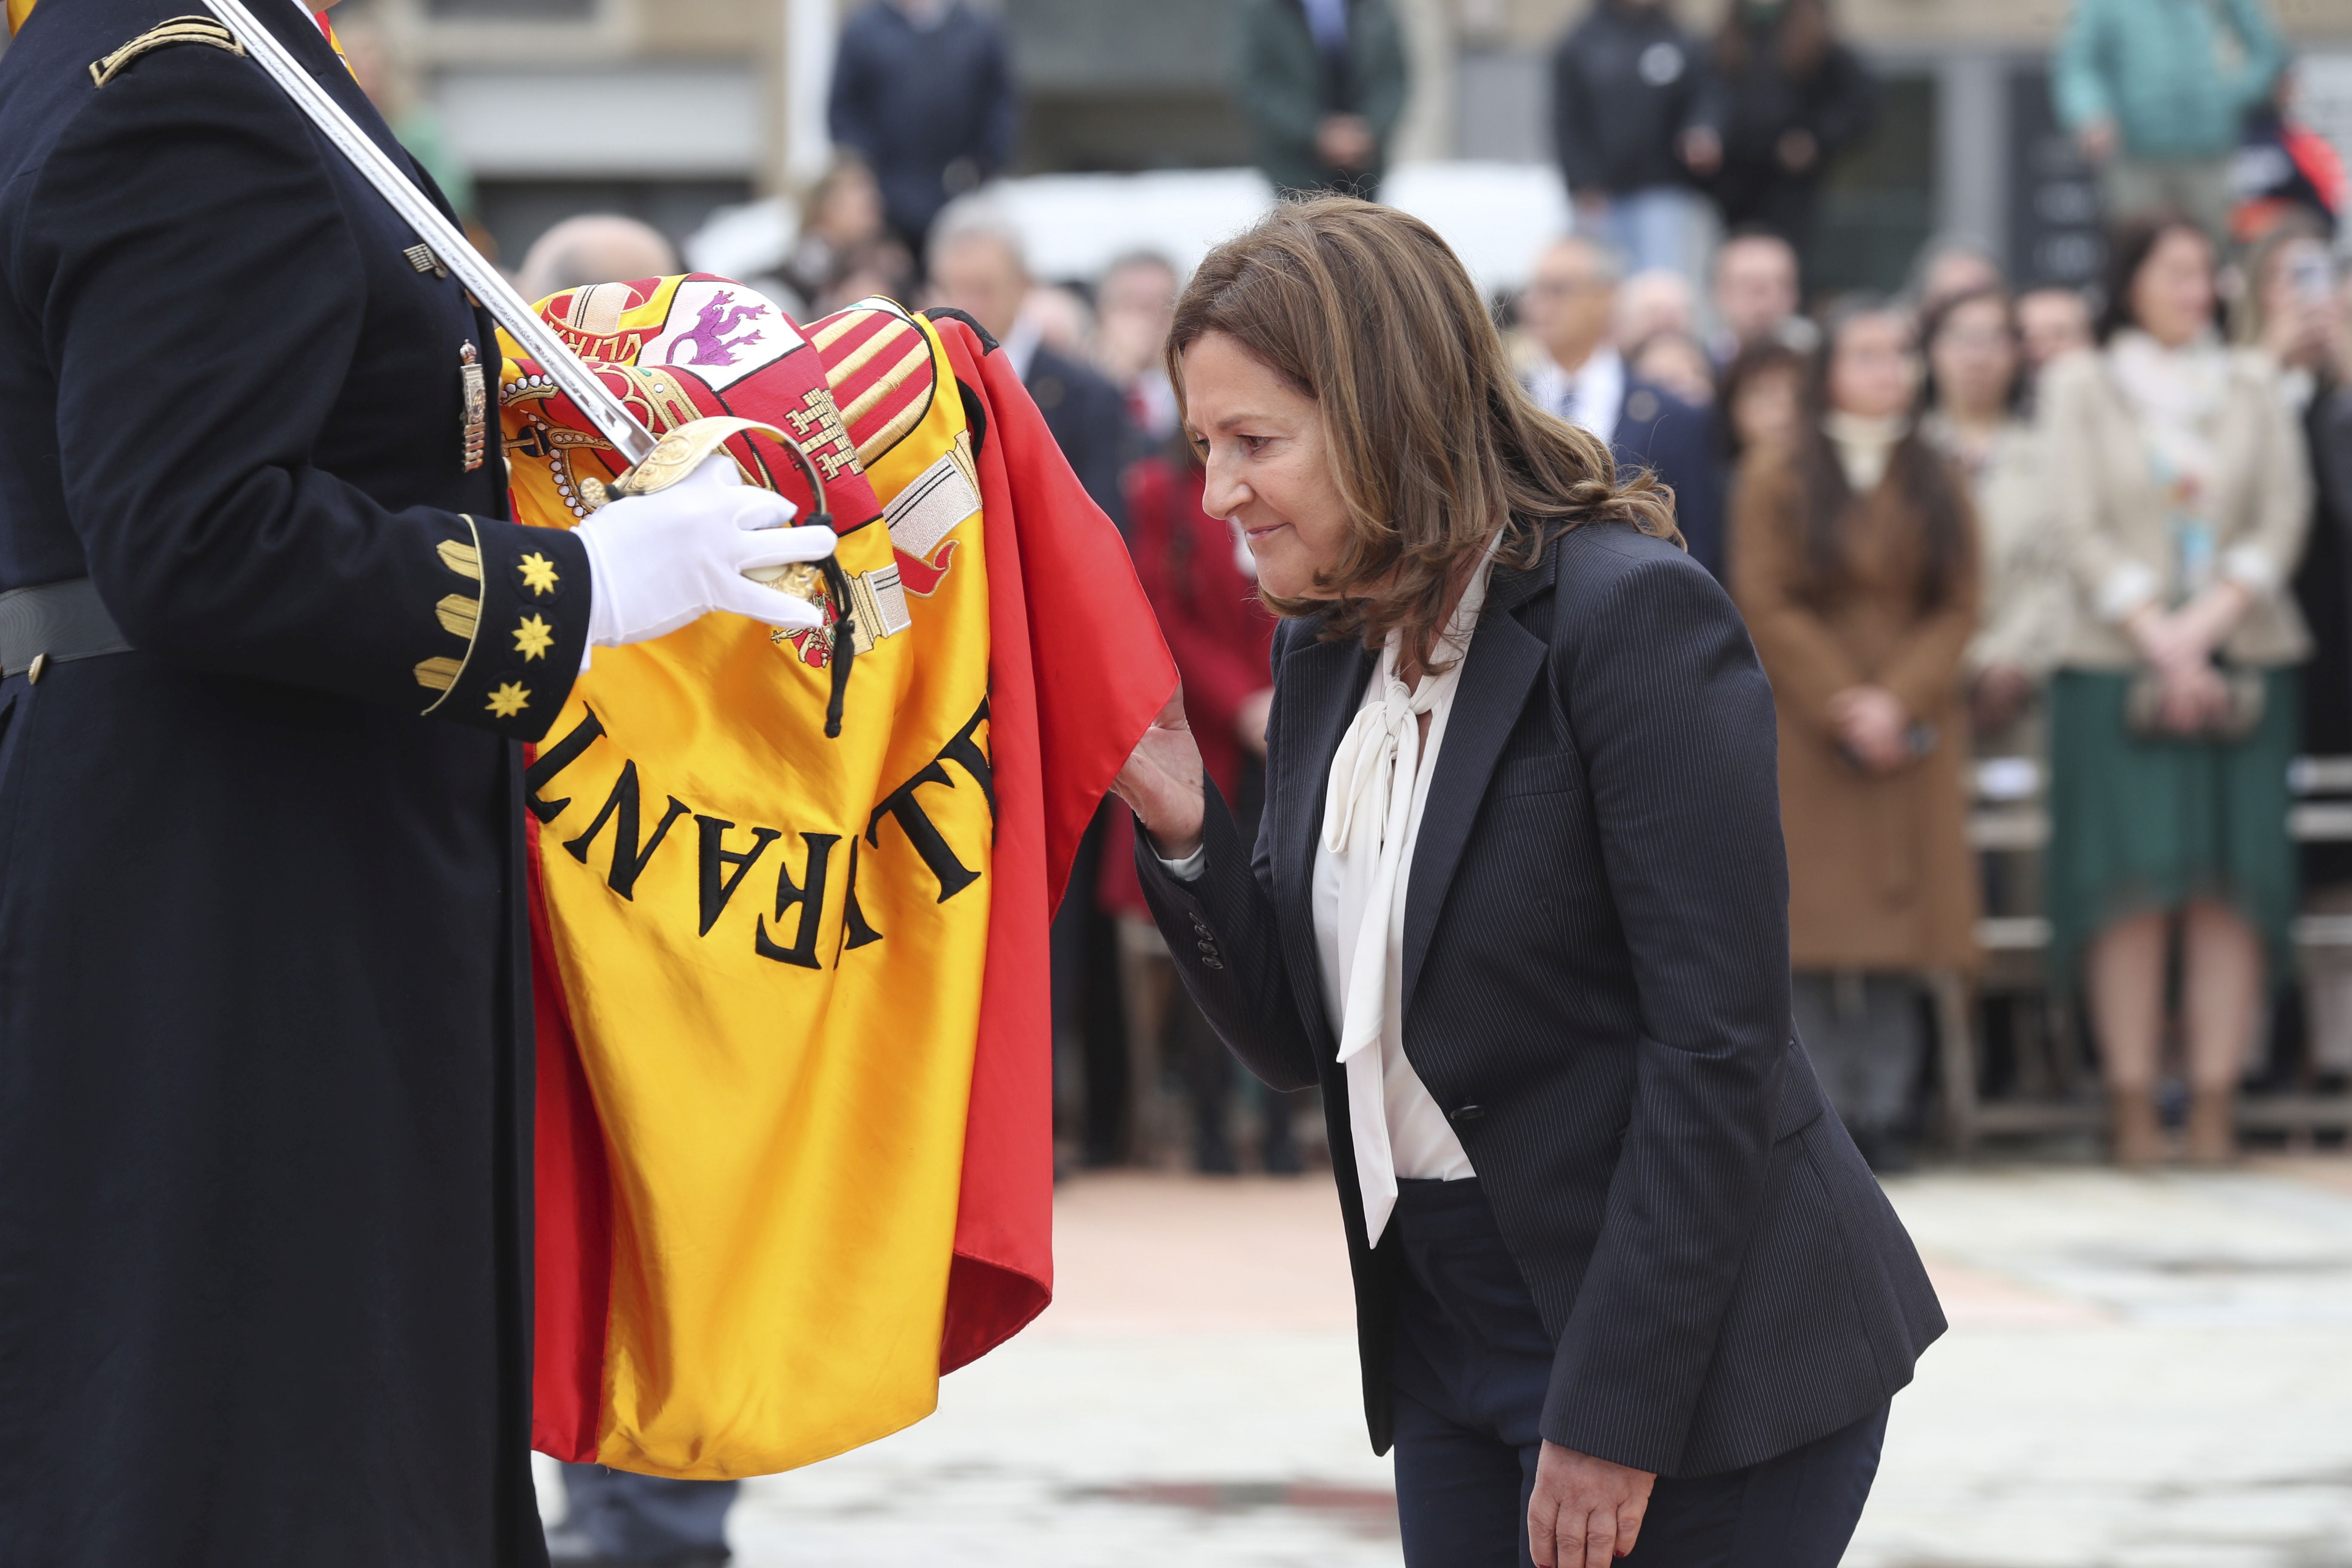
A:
[793,1109]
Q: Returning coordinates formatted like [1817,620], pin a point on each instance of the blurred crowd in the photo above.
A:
[1997,540]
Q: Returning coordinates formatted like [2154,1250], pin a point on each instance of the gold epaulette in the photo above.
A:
[178,30]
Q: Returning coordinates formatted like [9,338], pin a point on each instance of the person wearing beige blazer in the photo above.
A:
[2182,495]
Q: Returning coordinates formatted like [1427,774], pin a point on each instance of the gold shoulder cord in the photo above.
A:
[178,30]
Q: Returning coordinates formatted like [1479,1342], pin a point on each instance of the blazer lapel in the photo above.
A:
[1502,662]
[1321,684]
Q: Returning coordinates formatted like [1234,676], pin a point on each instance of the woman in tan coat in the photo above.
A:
[1854,560]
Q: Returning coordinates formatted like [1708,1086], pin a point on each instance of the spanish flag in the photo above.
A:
[795,1127]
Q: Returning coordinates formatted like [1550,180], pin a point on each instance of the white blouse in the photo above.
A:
[1376,794]
[1374,797]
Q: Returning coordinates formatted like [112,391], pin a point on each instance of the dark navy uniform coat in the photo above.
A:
[264,1011]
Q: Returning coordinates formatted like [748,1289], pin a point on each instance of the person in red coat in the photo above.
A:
[1204,585]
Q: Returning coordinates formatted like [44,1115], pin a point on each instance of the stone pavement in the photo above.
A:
[2143,1371]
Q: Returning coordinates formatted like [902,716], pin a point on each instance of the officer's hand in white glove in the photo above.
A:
[662,561]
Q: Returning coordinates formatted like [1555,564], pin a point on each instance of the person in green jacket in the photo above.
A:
[1322,83]
[2155,91]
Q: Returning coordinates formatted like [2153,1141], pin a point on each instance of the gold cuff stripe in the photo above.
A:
[438,674]
[464,560]
[451,555]
[459,613]
[178,30]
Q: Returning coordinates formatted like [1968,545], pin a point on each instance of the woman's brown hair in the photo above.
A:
[1918,472]
[1434,444]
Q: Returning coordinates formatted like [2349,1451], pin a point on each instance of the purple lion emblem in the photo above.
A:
[708,340]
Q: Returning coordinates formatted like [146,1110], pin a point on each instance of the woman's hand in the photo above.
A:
[1874,725]
[1162,783]
[2195,697]
[1586,1512]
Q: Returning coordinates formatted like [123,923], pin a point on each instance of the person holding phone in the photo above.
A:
[1518,904]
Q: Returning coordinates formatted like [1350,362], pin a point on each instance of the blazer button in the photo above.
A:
[1214,962]
[1206,946]
[1466,1114]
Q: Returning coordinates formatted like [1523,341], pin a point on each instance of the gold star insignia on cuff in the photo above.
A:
[510,700]
[538,572]
[534,638]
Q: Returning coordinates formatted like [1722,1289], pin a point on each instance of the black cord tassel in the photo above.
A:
[844,645]
[836,587]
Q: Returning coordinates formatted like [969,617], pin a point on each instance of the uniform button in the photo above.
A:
[1466,1114]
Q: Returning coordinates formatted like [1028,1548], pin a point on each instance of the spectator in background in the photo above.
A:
[2283,169]
[1134,304]
[594,248]
[1976,382]
[1854,561]
[1951,266]
[1756,295]
[2291,311]
[1761,408]
[2182,505]
[845,250]
[2155,91]
[978,267]
[1783,97]
[1566,308]
[2052,321]
[1677,362]
[1652,302]
[1624,85]
[923,92]
[1322,83]
[1063,320]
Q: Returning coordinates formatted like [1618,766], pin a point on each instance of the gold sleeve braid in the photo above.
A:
[459,614]
[178,30]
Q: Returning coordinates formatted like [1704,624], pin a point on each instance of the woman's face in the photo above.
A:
[1975,359]
[852,211]
[1269,471]
[1764,411]
[2172,292]
[1872,370]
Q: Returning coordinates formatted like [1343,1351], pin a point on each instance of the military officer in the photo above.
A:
[269,644]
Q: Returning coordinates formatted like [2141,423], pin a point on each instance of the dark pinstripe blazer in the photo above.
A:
[1596,991]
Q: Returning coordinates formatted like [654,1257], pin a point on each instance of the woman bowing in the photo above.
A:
[1519,903]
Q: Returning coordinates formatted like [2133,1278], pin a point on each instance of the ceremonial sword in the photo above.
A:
[654,463]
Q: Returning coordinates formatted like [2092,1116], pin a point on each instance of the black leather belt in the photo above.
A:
[52,624]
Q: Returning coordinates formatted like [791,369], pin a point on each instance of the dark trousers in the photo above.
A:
[646,1517]
[1471,1365]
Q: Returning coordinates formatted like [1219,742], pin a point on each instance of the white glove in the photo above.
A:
[659,561]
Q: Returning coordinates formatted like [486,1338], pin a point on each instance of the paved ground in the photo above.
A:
[2143,1371]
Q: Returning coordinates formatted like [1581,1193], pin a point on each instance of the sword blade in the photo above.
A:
[449,243]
